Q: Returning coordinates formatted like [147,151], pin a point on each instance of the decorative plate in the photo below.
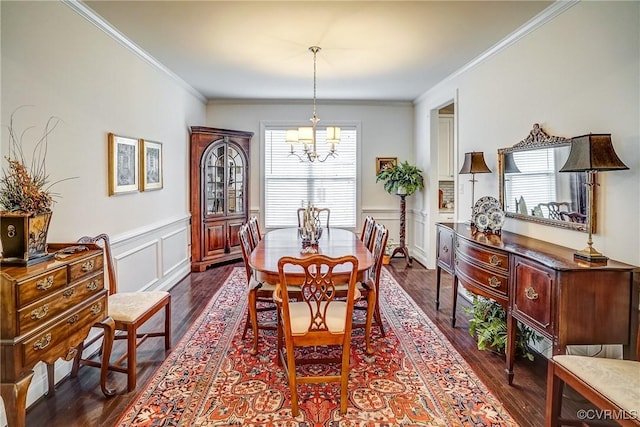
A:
[481,221]
[496,219]
[484,204]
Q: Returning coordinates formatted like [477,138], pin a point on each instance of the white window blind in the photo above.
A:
[536,180]
[291,184]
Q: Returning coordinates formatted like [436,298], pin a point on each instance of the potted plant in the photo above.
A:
[386,256]
[488,324]
[25,199]
[401,179]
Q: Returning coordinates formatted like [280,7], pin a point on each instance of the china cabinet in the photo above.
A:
[219,194]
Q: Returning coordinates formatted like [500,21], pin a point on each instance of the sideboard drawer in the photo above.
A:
[532,294]
[41,286]
[490,281]
[85,267]
[489,258]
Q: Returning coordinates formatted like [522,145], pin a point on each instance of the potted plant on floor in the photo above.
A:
[25,199]
[488,324]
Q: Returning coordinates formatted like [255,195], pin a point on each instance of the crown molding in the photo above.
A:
[87,13]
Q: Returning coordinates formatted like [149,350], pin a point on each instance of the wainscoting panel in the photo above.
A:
[138,268]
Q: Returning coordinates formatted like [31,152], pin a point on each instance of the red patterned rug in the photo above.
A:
[415,377]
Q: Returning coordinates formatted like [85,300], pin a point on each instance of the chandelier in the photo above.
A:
[307,135]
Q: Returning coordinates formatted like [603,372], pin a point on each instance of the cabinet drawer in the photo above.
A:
[493,259]
[47,308]
[532,294]
[85,267]
[491,281]
[56,340]
[40,286]
[445,248]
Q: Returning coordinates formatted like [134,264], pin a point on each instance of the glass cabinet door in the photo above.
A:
[235,183]
[214,178]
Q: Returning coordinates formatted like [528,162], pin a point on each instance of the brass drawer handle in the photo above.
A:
[69,293]
[44,284]
[40,312]
[445,249]
[96,308]
[456,262]
[92,285]
[494,282]
[531,293]
[494,260]
[73,319]
[87,266]
[42,343]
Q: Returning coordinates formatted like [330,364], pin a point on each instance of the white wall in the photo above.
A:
[63,65]
[386,131]
[576,74]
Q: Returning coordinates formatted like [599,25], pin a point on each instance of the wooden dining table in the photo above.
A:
[334,242]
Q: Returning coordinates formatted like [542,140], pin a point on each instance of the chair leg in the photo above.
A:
[253,315]
[132,341]
[76,360]
[555,388]
[247,323]
[167,325]
[344,376]
[371,299]
[293,384]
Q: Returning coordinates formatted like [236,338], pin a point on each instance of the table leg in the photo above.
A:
[454,300]
[438,274]
[512,328]
[15,400]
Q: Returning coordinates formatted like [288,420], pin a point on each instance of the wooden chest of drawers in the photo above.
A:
[46,310]
[539,284]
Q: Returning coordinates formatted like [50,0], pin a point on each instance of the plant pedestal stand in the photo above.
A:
[402,249]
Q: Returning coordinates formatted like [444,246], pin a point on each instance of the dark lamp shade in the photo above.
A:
[510,165]
[593,152]
[474,163]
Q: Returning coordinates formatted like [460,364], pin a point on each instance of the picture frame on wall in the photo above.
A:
[150,165]
[384,162]
[124,161]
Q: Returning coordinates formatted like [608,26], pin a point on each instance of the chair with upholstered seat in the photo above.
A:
[259,293]
[317,317]
[367,231]
[129,310]
[612,385]
[254,229]
[322,214]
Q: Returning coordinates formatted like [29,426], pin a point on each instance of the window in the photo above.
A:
[537,178]
[290,184]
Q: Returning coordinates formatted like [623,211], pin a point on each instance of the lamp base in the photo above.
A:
[590,254]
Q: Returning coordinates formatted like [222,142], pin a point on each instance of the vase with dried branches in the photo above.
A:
[26,198]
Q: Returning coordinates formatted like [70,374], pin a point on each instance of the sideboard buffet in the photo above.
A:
[46,311]
[540,284]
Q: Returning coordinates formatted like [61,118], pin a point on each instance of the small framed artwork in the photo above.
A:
[150,165]
[123,164]
[384,162]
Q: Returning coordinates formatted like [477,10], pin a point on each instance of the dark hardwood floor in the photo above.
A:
[79,402]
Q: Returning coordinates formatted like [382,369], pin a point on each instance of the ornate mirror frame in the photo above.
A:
[538,139]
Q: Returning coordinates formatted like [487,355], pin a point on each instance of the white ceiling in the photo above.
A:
[371,50]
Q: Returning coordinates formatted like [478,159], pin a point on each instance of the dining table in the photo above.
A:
[333,242]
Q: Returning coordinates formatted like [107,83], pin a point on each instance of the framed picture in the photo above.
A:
[384,162]
[123,164]
[150,165]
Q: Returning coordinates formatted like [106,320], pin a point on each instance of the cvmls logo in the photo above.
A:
[607,414]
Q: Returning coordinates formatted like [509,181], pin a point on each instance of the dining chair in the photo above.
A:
[254,229]
[367,231]
[260,295]
[316,317]
[612,385]
[322,214]
[129,310]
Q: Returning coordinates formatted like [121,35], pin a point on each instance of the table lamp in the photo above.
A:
[473,164]
[592,153]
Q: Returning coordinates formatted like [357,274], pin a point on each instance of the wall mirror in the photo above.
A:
[532,189]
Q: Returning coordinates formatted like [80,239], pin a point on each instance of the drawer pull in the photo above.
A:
[69,293]
[457,244]
[494,282]
[494,260]
[42,343]
[445,249]
[73,319]
[96,308]
[531,293]
[92,285]
[87,266]
[40,312]
[44,284]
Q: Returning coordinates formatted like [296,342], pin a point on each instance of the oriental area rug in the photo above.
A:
[415,377]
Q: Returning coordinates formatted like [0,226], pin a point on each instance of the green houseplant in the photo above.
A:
[488,324]
[26,198]
[401,179]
